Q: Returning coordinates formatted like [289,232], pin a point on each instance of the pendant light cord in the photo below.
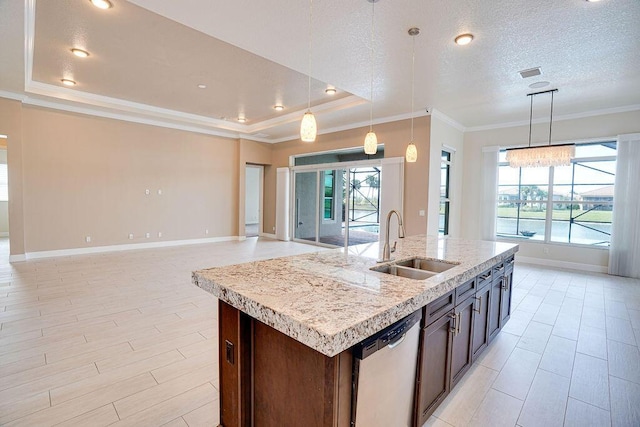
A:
[373,8]
[309,73]
[530,118]
[413,81]
[551,118]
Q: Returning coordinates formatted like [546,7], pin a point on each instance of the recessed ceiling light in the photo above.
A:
[68,82]
[278,107]
[593,1]
[538,85]
[102,4]
[463,39]
[330,91]
[80,53]
[201,86]
[242,119]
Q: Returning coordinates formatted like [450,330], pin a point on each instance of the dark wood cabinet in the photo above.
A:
[270,379]
[496,301]
[433,385]
[505,300]
[480,339]
[461,348]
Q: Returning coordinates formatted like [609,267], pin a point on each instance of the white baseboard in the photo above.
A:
[562,264]
[17,258]
[269,236]
[118,248]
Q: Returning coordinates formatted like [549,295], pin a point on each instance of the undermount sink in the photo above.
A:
[408,272]
[433,265]
[415,268]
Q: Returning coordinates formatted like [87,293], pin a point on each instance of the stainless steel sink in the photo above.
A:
[415,268]
[410,273]
[433,265]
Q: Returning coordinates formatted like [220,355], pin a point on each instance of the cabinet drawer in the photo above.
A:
[465,290]
[498,272]
[438,308]
[484,278]
[508,265]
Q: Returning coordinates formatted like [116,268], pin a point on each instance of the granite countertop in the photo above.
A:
[331,300]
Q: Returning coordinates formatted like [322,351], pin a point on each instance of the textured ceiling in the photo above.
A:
[155,52]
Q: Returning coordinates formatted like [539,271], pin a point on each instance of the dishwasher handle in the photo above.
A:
[398,341]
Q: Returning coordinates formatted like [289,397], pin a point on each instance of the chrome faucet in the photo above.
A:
[386,251]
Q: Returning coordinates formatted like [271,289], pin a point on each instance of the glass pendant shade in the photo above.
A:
[411,155]
[308,127]
[371,143]
[545,156]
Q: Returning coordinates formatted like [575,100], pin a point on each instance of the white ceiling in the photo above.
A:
[147,56]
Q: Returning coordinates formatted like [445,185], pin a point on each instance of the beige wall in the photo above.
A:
[87,176]
[11,125]
[609,125]
[395,136]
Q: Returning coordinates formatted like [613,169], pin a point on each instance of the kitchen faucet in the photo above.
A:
[386,252]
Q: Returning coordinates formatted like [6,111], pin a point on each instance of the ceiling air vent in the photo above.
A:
[531,72]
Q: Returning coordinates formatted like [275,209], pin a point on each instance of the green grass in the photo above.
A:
[559,214]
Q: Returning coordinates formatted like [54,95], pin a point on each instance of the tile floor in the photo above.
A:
[568,356]
[124,338]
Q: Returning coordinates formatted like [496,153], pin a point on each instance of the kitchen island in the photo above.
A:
[287,326]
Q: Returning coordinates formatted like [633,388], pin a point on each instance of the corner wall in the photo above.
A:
[575,130]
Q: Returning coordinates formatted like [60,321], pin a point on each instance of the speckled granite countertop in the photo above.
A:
[331,300]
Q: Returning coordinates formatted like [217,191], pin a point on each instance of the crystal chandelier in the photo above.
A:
[308,126]
[371,140]
[543,156]
[411,155]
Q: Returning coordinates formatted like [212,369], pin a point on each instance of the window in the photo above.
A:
[329,193]
[4,183]
[566,204]
[445,191]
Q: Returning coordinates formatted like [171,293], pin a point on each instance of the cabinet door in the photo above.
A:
[494,307]
[505,300]
[434,369]
[463,332]
[481,321]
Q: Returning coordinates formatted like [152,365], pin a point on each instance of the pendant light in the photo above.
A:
[411,156]
[546,155]
[371,140]
[308,126]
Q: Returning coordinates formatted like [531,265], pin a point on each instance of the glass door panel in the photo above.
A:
[305,202]
[332,200]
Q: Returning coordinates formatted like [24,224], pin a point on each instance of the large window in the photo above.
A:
[566,204]
[329,194]
[445,191]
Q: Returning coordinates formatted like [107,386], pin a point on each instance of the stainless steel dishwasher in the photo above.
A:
[384,375]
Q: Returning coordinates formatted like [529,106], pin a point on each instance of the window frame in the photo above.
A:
[445,164]
[550,201]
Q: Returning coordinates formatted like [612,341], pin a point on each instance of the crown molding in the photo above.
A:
[573,116]
[448,120]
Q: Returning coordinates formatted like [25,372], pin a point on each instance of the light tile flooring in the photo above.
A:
[124,338]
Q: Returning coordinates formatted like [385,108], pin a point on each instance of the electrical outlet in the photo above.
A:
[159,233]
[274,229]
[147,192]
[147,235]
[206,231]
[130,236]
[545,251]
[159,192]
[421,212]
[87,239]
